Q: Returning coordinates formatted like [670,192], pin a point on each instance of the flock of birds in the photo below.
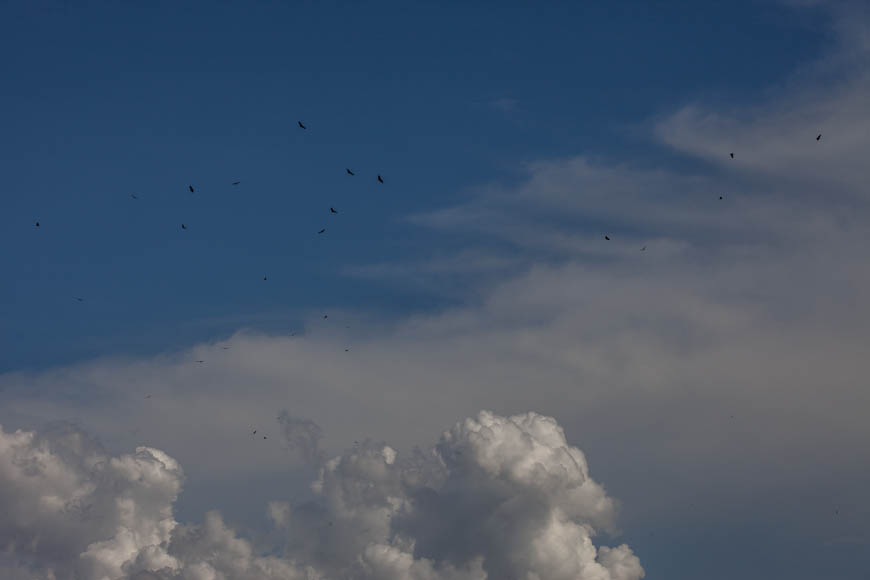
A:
[192,189]
[332,210]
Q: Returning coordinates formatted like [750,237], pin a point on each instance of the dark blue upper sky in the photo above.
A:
[105,100]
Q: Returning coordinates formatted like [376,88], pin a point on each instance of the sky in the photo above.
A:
[461,378]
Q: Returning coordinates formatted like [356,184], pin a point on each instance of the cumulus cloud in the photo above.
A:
[496,497]
[72,511]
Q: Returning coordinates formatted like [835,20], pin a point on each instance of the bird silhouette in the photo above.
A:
[36,224]
[643,249]
[819,137]
[380,179]
[347,350]
[349,172]
[321,231]
[264,437]
[147,396]
[607,238]
[134,196]
[332,210]
[255,432]
[225,347]
[720,197]
[236,182]
[79,299]
[200,361]
[184,227]
[264,277]
[301,126]
[732,156]
[190,187]
[325,316]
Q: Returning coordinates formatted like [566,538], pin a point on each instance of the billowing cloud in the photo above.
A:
[72,511]
[496,497]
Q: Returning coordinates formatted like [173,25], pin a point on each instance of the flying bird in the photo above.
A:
[225,347]
[325,316]
[264,437]
[332,210]
[200,361]
[380,179]
[720,197]
[236,182]
[255,432]
[321,231]
[347,350]
[607,238]
[349,172]
[184,227]
[264,277]
[819,137]
[79,299]
[147,396]
[37,224]
[134,196]
[732,156]
[190,187]
[643,249]
[301,126]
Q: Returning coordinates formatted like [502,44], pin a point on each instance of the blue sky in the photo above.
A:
[716,381]
[108,100]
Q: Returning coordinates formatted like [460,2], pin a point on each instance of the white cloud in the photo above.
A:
[71,509]
[518,504]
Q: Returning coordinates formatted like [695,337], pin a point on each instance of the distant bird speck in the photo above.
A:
[264,437]
[607,238]
[301,126]
[134,196]
[236,182]
[184,227]
[380,179]
[36,224]
[321,231]
[732,156]
[643,249]
[819,137]
[332,210]
[264,277]
[200,361]
[347,350]
[720,197]
[147,396]
[325,316]
[225,347]
[190,187]
[255,432]
[349,172]
[79,299]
